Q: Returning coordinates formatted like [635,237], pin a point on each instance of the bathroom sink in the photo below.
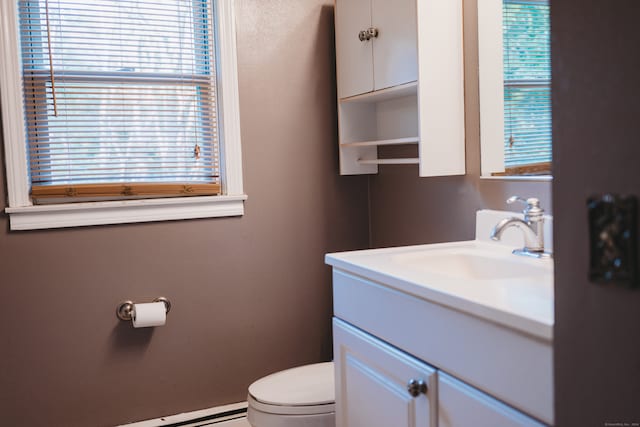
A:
[481,278]
[473,308]
[471,264]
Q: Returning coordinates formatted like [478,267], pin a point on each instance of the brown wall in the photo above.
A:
[406,209]
[596,150]
[250,295]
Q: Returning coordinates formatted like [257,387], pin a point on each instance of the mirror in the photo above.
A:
[515,87]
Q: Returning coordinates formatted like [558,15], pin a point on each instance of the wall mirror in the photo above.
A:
[515,87]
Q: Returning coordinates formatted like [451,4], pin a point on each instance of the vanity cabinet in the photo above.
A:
[379,386]
[475,372]
[372,379]
[462,405]
[400,81]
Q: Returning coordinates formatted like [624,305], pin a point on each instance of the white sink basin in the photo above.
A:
[471,263]
[481,278]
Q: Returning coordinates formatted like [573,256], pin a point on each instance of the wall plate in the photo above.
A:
[613,239]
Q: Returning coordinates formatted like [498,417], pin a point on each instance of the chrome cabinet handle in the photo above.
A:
[416,387]
[368,34]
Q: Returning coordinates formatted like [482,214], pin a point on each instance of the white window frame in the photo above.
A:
[24,215]
[491,87]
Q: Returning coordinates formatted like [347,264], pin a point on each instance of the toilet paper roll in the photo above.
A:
[149,314]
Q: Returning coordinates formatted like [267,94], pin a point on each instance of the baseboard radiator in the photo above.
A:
[205,417]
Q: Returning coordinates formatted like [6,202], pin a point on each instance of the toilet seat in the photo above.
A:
[326,408]
[305,390]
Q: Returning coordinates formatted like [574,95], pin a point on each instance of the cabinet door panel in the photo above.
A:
[460,405]
[354,57]
[371,383]
[395,51]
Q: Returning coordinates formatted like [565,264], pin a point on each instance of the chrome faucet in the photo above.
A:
[532,227]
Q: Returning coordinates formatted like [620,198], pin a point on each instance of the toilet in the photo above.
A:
[297,397]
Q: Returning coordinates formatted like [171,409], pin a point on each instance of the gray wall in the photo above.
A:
[406,209]
[250,295]
[596,127]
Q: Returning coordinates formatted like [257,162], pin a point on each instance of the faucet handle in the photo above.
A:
[514,199]
[532,204]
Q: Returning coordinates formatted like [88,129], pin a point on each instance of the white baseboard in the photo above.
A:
[217,412]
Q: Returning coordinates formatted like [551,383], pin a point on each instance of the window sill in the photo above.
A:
[123,212]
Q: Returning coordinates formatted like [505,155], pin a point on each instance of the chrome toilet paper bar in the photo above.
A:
[125,308]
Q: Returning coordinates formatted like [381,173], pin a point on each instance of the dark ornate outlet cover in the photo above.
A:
[613,239]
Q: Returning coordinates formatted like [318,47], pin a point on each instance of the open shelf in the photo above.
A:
[395,141]
[399,91]
[410,161]
[384,117]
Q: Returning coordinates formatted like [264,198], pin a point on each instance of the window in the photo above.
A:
[515,87]
[128,111]
[527,87]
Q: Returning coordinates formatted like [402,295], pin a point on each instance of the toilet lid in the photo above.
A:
[302,386]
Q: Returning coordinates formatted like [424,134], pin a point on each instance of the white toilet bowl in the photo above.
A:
[297,397]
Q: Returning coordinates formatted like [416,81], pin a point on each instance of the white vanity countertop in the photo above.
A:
[510,290]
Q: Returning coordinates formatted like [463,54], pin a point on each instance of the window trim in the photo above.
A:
[26,216]
[491,93]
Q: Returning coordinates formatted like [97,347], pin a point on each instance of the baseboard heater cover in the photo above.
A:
[204,417]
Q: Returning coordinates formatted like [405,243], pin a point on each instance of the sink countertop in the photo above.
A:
[523,302]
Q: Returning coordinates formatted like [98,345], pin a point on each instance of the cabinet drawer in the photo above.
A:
[503,362]
[460,405]
[372,379]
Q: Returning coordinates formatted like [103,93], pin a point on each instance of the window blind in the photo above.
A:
[527,86]
[120,98]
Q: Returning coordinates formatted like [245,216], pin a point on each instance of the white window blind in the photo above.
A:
[527,86]
[120,98]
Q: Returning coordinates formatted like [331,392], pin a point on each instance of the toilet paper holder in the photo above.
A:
[125,308]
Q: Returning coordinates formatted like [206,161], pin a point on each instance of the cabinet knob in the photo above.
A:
[416,387]
[368,34]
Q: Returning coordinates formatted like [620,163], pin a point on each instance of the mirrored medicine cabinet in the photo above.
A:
[515,88]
